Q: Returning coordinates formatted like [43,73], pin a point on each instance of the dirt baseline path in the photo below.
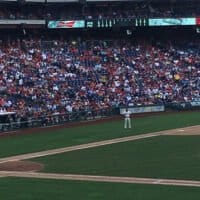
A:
[112,179]
[193,130]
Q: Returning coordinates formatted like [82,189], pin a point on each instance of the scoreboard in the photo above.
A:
[124,22]
[116,22]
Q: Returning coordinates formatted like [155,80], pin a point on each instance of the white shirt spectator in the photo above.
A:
[69,108]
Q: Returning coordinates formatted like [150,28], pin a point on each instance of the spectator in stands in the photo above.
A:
[73,76]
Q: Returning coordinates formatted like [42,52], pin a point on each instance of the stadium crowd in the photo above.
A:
[99,11]
[18,13]
[40,78]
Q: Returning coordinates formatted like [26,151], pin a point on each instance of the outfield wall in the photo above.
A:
[90,115]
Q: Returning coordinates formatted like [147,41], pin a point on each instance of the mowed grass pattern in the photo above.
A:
[40,189]
[44,140]
[158,157]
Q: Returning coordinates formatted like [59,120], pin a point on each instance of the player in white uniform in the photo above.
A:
[127,119]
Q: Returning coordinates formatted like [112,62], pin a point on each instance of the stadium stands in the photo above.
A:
[56,74]
[80,75]
[99,11]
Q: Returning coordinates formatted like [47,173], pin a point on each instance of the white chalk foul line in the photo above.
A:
[94,178]
[112,179]
[77,147]
[86,146]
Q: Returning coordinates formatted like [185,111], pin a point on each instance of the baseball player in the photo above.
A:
[127,119]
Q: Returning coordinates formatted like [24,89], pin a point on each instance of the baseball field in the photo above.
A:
[159,158]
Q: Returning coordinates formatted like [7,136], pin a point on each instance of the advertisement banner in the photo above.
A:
[172,21]
[198,21]
[195,102]
[144,109]
[67,24]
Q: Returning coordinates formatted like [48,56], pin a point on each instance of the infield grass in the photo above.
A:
[139,158]
[40,189]
[170,157]
[21,144]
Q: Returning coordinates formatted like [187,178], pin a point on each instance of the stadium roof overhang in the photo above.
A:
[68,1]
[81,1]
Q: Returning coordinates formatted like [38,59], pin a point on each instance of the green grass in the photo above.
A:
[39,189]
[159,157]
[79,135]
[139,158]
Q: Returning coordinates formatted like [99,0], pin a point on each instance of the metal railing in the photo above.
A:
[56,119]
[85,115]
